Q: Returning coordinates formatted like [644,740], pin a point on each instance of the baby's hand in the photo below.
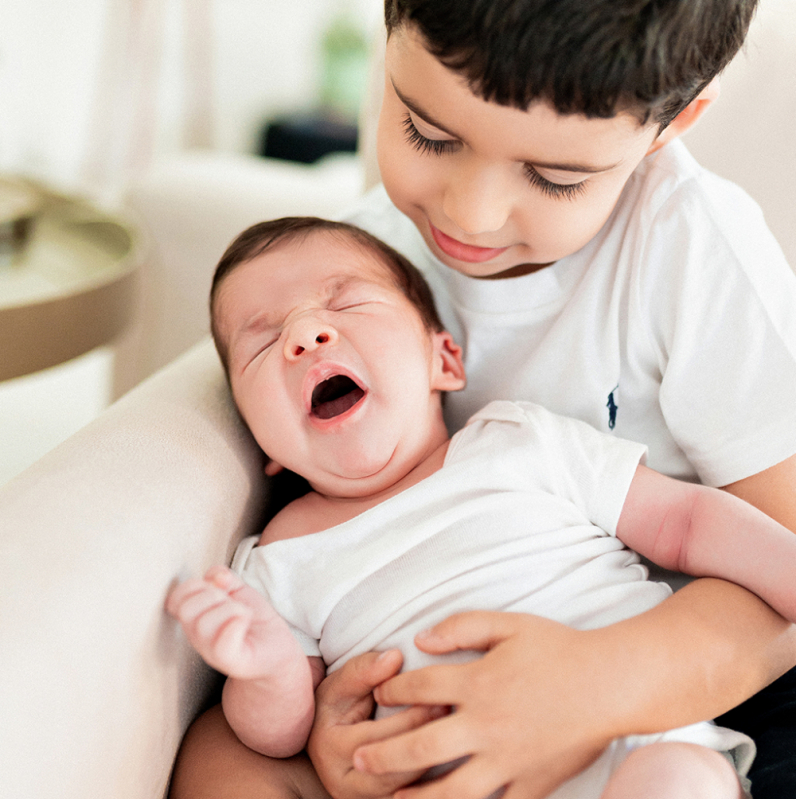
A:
[231,625]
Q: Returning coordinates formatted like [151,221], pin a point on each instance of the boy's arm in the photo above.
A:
[773,491]
[710,533]
[268,696]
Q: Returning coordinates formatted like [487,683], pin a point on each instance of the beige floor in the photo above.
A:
[39,411]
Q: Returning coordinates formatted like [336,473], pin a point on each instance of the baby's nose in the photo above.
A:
[306,335]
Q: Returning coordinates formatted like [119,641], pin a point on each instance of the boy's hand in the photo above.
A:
[344,704]
[232,626]
[515,713]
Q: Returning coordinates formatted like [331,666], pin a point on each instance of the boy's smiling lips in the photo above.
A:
[461,251]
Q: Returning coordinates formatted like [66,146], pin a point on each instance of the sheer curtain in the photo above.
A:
[92,91]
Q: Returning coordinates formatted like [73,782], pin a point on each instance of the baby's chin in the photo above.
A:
[360,478]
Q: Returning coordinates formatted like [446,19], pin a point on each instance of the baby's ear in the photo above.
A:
[448,364]
[272,468]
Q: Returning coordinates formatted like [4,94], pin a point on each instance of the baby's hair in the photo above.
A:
[263,236]
[594,57]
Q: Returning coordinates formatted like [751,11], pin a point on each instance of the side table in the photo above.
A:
[68,286]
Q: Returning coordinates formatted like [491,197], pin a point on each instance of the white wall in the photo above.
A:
[747,136]
[268,59]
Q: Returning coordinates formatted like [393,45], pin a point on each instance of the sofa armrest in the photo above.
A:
[97,684]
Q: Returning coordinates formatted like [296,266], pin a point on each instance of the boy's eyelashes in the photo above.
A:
[567,191]
[425,145]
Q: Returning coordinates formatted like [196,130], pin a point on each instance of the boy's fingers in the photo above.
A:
[343,691]
[441,741]
[431,685]
[406,720]
[475,630]
[397,724]
[464,782]
[330,749]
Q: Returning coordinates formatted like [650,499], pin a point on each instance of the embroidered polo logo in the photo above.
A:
[612,409]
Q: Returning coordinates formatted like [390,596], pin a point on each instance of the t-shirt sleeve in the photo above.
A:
[570,459]
[717,302]
[243,566]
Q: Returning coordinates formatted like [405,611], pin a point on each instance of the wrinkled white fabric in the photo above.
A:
[521,517]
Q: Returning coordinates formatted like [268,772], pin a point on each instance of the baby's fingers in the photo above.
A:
[218,612]
[204,610]
[240,591]
[187,598]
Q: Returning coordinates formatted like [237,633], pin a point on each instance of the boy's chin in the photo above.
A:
[492,271]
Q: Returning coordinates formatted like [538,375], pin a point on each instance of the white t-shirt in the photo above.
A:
[675,326]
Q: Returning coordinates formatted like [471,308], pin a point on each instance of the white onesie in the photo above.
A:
[521,517]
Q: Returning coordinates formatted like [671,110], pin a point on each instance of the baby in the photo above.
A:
[338,364]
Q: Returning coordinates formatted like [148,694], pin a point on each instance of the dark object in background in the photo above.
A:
[306,138]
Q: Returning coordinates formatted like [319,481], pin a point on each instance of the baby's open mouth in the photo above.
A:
[335,396]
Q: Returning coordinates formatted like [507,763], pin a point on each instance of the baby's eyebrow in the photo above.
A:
[339,285]
[266,320]
[257,324]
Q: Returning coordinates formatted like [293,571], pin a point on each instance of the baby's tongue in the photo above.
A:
[335,396]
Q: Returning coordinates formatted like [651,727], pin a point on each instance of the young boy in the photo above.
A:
[337,362]
[535,144]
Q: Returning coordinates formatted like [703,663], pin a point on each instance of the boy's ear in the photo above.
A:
[448,364]
[272,467]
[689,116]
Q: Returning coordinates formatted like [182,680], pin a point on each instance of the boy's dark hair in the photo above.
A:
[595,57]
[263,236]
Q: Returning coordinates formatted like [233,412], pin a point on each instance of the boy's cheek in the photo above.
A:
[404,171]
[409,185]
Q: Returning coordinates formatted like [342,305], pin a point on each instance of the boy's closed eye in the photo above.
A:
[551,188]
[426,144]
[445,146]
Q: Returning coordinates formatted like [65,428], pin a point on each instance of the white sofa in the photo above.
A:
[96,683]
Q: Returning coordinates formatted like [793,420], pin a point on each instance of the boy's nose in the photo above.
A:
[477,202]
[306,335]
